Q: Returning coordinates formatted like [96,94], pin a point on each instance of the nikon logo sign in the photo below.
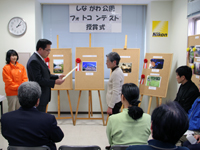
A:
[159,28]
[158,34]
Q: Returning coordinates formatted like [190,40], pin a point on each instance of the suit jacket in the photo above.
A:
[30,127]
[39,72]
[156,145]
[187,94]
[114,87]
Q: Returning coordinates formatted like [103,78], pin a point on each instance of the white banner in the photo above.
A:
[95,18]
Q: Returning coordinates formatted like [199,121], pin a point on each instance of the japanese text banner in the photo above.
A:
[95,18]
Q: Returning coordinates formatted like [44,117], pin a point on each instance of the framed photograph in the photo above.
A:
[156,63]
[197,68]
[153,81]
[89,66]
[198,51]
[191,57]
[58,65]
[126,67]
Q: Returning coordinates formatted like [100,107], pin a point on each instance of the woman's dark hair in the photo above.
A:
[11,53]
[131,94]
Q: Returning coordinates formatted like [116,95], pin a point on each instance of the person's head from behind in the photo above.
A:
[129,97]
[11,56]
[43,47]
[169,122]
[183,74]
[113,59]
[29,94]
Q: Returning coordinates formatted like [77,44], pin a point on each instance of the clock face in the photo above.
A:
[17,26]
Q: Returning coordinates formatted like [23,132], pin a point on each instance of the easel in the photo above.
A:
[160,90]
[158,103]
[72,117]
[90,112]
[125,48]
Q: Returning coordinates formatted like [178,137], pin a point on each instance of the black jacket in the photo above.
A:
[39,72]
[187,94]
[30,127]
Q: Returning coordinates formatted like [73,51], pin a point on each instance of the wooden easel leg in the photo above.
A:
[157,101]
[160,102]
[89,103]
[149,107]
[46,108]
[91,112]
[107,119]
[141,97]
[70,106]
[58,104]
[77,107]
[101,107]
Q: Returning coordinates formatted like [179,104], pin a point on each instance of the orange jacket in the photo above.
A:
[13,76]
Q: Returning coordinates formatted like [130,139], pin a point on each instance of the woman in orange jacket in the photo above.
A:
[14,74]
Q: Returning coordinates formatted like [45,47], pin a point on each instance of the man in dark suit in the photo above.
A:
[27,126]
[38,71]
[188,91]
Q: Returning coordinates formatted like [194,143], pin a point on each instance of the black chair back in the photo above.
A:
[28,148]
[66,147]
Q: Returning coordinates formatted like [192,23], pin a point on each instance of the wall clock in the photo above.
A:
[17,26]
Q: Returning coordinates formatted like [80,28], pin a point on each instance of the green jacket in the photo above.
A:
[123,130]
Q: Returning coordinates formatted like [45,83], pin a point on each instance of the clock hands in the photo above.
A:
[19,24]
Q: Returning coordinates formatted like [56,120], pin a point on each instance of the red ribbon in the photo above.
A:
[142,79]
[145,63]
[47,61]
[78,60]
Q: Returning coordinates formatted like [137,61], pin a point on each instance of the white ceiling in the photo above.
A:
[97,1]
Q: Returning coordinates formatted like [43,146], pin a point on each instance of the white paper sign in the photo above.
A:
[125,56]
[89,56]
[196,37]
[154,74]
[197,77]
[157,56]
[152,88]
[155,70]
[125,74]
[95,18]
[57,55]
[89,74]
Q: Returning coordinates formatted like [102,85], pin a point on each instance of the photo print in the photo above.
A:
[153,81]
[156,64]
[197,68]
[89,66]
[191,57]
[198,51]
[126,67]
[58,65]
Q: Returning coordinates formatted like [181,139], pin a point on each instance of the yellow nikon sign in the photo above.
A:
[159,28]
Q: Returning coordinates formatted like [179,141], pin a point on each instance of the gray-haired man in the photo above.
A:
[27,126]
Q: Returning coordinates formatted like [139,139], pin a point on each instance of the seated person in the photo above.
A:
[27,126]
[132,126]
[194,121]
[168,123]
[193,146]
[188,91]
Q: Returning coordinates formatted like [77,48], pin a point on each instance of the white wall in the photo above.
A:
[26,43]
[173,11]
